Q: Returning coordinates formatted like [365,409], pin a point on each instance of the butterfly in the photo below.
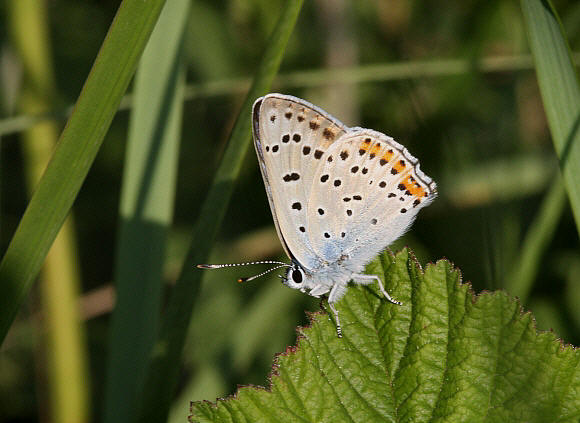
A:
[338,195]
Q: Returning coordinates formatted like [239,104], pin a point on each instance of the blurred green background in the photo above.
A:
[453,82]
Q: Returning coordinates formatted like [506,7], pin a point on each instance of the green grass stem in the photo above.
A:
[75,153]
[64,354]
[558,81]
[520,279]
[313,78]
[163,376]
[146,210]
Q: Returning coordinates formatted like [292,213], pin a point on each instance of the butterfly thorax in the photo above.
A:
[320,281]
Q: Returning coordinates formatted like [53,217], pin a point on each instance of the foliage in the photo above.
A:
[444,355]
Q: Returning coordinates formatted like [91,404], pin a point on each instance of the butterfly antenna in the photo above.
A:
[220,266]
[263,273]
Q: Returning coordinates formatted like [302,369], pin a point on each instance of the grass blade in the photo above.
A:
[392,71]
[162,379]
[147,200]
[77,148]
[520,279]
[560,91]
[64,353]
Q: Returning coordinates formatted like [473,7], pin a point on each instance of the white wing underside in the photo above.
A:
[335,192]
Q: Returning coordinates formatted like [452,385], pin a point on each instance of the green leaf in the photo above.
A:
[444,355]
[560,91]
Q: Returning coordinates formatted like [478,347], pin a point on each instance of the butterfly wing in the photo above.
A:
[291,136]
[365,195]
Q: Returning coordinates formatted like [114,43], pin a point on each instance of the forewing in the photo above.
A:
[365,196]
[291,136]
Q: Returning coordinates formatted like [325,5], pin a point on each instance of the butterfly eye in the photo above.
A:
[297,276]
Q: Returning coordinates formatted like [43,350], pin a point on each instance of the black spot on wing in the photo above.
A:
[289,177]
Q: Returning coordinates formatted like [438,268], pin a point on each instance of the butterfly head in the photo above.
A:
[295,277]
[298,278]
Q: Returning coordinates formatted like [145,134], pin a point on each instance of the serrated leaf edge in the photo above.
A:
[313,316]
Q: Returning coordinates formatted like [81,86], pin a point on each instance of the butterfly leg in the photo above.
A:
[335,311]
[366,279]
[335,293]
